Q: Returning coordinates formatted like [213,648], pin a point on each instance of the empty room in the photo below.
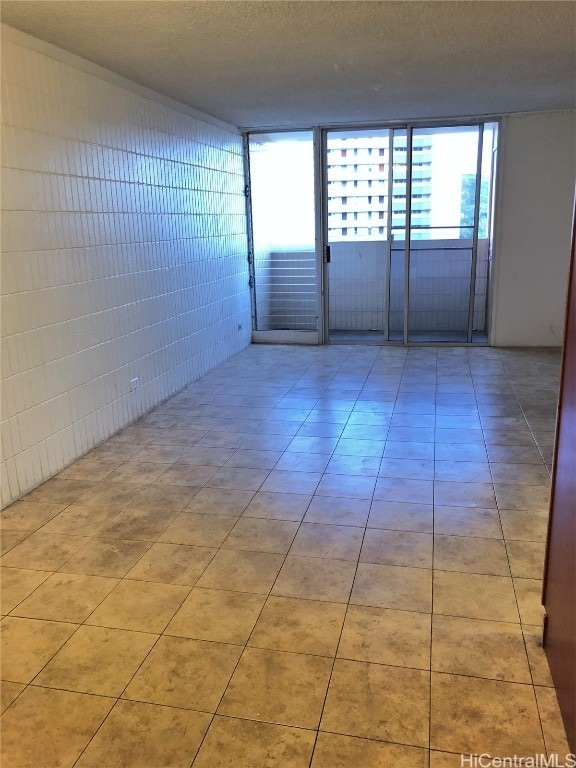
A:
[288,384]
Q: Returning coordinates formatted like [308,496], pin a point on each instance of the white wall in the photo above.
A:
[538,171]
[124,257]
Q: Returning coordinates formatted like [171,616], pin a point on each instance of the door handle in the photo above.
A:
[327,254]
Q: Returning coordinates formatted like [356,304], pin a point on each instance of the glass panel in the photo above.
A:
[444,168]
[485,226]
[357,188]
[398,234]
[283,225]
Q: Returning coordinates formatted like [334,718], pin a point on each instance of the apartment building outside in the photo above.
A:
[363,172]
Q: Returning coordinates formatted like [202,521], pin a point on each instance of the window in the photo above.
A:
[342,153]
[361,171]
[380,214]
[381,199]
[282,222]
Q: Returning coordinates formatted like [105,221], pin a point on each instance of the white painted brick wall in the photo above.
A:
[124,256]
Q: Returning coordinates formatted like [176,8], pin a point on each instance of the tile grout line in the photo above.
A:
[325,699]
[430,699]
[525,645]
[246,645]
[323,474]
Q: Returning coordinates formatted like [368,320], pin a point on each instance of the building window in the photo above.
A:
[344,200]
[381,167]
[342,153]
[344,217]
[344,230]
[381,151]
[381,199]
[380,214]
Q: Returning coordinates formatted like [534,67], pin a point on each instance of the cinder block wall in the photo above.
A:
[124,255]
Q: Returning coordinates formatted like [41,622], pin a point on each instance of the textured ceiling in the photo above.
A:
[297,63]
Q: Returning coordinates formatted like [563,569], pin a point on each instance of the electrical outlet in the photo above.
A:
[133,383]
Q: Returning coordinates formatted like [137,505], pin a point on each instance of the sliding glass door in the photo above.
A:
[357,234]
[372,235]
[442,191]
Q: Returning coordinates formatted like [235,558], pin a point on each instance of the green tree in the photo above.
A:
[468,194]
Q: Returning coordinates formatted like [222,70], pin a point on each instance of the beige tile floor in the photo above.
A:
[325,557]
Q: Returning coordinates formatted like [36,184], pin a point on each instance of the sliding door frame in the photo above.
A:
[249,230]
[321,335]
[407,232]
[475,228]
[307,337]
[321,199]
[323,228]
[474,264]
